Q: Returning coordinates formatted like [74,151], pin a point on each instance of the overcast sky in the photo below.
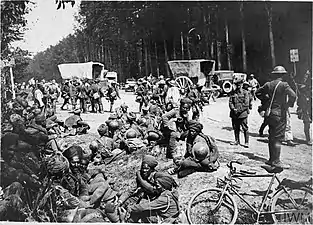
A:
[47,25]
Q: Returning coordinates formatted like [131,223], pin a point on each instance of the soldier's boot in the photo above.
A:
[237,139]
[101,108]
[276,156]
[111,107]
[270,149]
[246,135]
[307,134]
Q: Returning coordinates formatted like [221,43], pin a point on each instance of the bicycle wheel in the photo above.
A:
[298,199]
[203,208]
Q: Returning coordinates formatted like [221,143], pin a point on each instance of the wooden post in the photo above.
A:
[174,52]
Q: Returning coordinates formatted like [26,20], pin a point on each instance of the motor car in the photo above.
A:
[130,85]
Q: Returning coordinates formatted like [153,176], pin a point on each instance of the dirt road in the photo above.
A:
[216,121]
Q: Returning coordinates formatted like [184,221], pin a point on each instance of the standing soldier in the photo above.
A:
[194,96]
[113,94]
[254,84]
[83,96]
[239,106]
[141,93]
[54,93]
[65,94]
[304,110]
[94,94]
[278,90]
[73,93]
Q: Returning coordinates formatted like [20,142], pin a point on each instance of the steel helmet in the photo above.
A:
[279,70]
[94,146]
[113,125]
[130,133]
[200,151]
[153,135]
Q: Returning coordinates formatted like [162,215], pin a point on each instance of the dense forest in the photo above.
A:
[138,38]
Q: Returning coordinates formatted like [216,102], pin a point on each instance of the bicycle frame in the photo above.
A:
[260,211]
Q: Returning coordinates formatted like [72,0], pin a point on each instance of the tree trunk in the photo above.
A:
[156,59]
[218,54]
[166,58]
[146,57]
[150,57]
[188,42]
[243,37]
[227,45]
[182,45]
[139,54]
[174,52]
[271,37]
[206,33]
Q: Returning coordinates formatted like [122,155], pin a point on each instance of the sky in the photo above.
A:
[46,25]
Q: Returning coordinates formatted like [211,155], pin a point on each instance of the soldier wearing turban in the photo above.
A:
[145,184]
[202,152]
[163,206]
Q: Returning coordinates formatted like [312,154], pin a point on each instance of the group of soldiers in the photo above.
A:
[88,93]
[71,183]
[277,96]
[46,179]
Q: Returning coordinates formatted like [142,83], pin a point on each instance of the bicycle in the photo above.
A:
[292,201]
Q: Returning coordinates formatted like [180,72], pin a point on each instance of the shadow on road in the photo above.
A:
[252,156]
[224,141]
[227,128]
[300,141]
[262,140]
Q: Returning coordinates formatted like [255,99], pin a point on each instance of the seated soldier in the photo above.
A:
[201,155]
[72,180]
[75,124]
[162,208]
[144,188]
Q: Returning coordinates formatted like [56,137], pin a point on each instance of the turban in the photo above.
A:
[102,129]
[196,126]
[72,151]
[57,164]
[186,101]
[150,160]
[166,181]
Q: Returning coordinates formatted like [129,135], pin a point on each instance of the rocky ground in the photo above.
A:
[216,121]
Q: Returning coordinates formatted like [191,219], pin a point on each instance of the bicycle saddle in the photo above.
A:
[272,169]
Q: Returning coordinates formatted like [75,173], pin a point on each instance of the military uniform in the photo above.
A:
[239,106]
[277,117]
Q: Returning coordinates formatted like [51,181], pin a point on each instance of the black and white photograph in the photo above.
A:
[168,112]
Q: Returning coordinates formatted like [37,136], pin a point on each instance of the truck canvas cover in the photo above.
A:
[191,68]
[79,70]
